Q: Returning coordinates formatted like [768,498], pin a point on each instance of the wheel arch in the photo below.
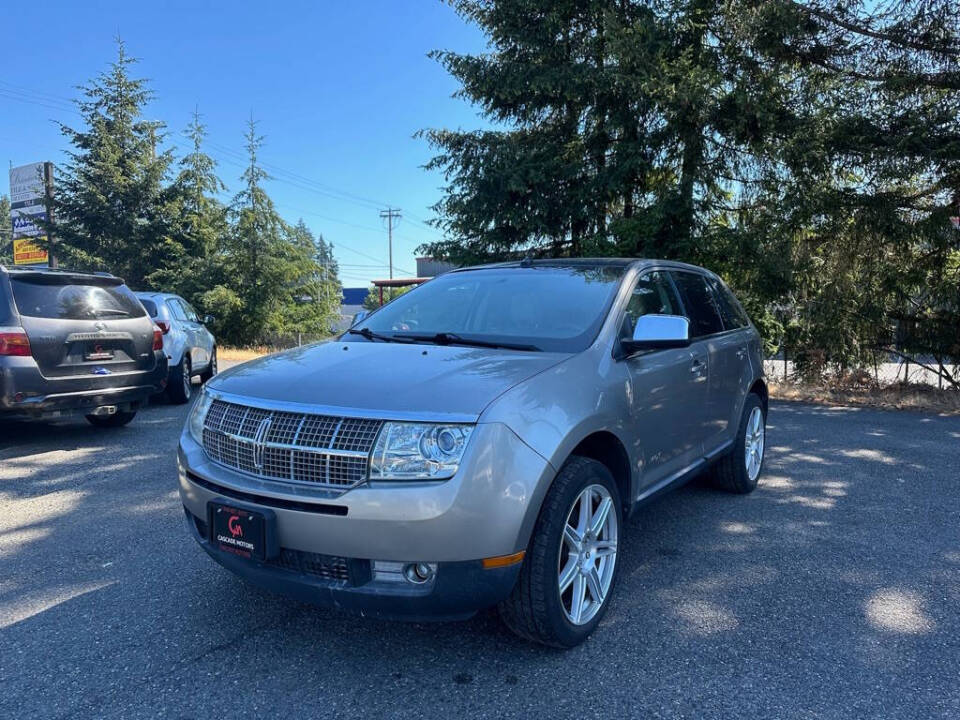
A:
[607,449]
[759,388]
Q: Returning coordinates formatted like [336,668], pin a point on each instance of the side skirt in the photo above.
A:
[681,477]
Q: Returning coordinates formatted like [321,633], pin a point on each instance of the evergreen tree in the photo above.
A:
[6,232]
[109,197]
[196,223]
[769,140]
[271,277]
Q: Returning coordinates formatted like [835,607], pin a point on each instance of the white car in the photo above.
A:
[190,348]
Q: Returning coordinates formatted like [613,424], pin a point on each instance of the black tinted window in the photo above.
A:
[702,311]
[150,306]
[652,295]
[73,301]
[733,315]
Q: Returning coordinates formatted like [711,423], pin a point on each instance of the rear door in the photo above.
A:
[737,374]
[711,361]
[202,340]
[80,324]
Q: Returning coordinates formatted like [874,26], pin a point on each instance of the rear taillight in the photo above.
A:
[164,327]
[14,341]
[157,338]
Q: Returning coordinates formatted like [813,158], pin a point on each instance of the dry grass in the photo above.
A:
[239,355]
[894,397]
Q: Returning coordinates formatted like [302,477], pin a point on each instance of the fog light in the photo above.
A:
[419,572]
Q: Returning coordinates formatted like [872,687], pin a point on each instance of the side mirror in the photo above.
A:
[658,332]
[207,319]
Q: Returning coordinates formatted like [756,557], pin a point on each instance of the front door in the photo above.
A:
[668,388]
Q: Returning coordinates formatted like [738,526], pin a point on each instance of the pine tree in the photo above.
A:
[771,141]
[272,282]
[196,223]
[109,197]
[6,232]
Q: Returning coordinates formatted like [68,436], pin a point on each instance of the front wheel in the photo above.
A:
[180,387]
[211,370]
[739,471]
[570,570]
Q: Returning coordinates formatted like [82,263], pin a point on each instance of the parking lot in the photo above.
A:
[832,591]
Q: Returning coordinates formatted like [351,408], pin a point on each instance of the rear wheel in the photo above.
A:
[570,569]
[118,419]
[739,471]
[180,387]
[211,369]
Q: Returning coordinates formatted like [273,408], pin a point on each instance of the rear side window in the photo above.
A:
[189,311]
[4,302]
[73,301]
[733,315]
[150,306]
[702,310]
[177,310]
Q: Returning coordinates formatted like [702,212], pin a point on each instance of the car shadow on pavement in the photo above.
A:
[831,591]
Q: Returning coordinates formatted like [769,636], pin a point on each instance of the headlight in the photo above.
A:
[198,415]
[418,451]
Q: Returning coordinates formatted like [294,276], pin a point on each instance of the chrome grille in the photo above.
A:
[315,449]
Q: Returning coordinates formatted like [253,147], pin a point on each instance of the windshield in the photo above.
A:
[552,308]
[72,301]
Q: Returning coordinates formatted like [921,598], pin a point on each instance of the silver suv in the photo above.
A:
[190,348]
[478,441]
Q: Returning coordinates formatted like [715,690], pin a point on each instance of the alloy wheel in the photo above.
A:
[753,443]
[187,382]
[588,554]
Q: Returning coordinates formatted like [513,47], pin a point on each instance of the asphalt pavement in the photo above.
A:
[832,591]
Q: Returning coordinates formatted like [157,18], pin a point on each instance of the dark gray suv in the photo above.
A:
[478,441]
[75,343]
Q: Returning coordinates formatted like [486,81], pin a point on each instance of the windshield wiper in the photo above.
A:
[445,338]
[371,335]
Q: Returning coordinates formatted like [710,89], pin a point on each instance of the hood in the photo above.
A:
[394,380]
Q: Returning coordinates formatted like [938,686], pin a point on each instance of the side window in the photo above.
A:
[190,312]
[733,315]
[652,295]
[702,310]
[176,309]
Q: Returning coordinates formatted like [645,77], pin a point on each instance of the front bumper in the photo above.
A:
[487,510]
[25,393]
[456,591]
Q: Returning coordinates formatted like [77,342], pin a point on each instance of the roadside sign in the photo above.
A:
[28,213]
[27,251]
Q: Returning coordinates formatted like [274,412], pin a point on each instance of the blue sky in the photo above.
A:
[338,89]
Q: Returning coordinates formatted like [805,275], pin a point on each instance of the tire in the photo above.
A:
[118,419]
[180,387]
[537,609]
[211,370]
[732,472]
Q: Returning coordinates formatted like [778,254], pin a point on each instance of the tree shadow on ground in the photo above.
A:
[830,591]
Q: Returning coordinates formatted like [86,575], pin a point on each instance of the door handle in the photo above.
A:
[698,366]
[741,353]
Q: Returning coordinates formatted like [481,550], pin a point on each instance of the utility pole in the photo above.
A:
[390,214]
[48,202]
